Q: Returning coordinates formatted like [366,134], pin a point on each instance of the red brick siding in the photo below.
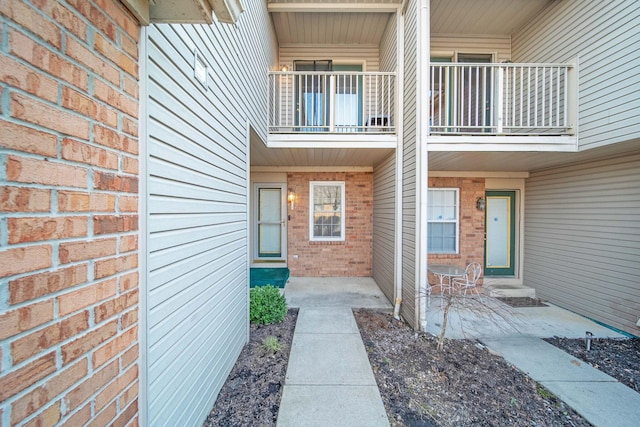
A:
[471,243]
[68,213]
[351,257]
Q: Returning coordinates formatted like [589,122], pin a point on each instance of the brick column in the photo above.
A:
[68,213]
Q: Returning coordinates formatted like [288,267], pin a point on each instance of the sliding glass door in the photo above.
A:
[312,95]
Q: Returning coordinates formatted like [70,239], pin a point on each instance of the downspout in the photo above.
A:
[143,212]
[422,165]
[399,156]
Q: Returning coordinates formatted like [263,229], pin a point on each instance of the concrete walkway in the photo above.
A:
[329,379]
[516,334]
[599,398]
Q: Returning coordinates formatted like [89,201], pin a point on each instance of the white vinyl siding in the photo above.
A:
[500,45]
[409,167]
[388,48]
[384,187]
[196,289]
[582,239]
[605,36]
[384,225]
[338,53]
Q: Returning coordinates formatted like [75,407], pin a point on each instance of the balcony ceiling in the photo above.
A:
[315,157]
[331,21]
[329,27]
[522,161]
[364,21]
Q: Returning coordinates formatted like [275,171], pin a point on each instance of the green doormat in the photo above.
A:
[276,277]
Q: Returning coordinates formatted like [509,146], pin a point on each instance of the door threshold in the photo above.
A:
[268,264]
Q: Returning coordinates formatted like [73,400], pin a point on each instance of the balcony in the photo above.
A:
[532,105]
[332,109]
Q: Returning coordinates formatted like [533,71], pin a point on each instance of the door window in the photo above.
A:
[348,99]
[312,112]
[474,106]
[270,222]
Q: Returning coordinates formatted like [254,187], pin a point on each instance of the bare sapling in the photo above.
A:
[475,312]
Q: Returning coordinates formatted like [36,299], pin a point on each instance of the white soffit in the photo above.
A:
[329,28]
[311,157]
[181,11]
[483,16]
[524,161]
[139,9]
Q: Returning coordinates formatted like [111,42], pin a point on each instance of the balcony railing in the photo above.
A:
[503,99]
[331,102]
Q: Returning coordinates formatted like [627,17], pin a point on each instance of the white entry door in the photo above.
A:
[270,234]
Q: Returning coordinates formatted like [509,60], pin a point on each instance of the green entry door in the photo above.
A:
[500,223]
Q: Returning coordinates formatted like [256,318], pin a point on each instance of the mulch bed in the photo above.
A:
[463,385]
[619,358]
[251,395]
[521,302]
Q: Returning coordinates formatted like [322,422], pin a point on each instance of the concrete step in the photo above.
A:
[504,291]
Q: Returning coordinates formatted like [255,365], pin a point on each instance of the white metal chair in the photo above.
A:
[469,282]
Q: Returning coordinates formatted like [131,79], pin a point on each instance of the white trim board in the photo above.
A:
[285,169]
[478,174]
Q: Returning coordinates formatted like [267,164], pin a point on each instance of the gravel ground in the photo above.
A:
[463,385]
[619,358]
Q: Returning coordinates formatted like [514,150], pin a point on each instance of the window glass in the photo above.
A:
[442,217]
[327,210]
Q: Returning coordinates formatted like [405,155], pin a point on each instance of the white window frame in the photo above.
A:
[312,187]
[447,221]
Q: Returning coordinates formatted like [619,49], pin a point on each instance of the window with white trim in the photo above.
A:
[443,220]
[326,218]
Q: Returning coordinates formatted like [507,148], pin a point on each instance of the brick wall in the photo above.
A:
[471,222]
[68,213]
[351,257]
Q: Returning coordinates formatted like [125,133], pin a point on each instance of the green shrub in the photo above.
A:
[266,305]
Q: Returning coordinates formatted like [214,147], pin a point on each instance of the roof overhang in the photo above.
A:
[184,11]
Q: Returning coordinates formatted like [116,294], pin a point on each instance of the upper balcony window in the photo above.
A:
[323,97]
[475,96]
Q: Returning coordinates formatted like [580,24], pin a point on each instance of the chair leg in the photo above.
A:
[475,288]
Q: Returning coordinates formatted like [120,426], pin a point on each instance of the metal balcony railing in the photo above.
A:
[331,102]
[502,99]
